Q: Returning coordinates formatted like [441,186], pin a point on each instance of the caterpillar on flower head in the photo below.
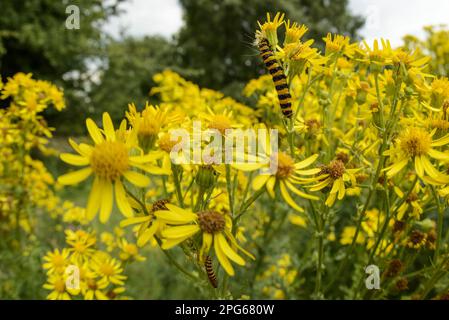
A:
[210,272]
[278,75]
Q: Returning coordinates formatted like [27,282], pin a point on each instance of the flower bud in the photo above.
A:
[205,178]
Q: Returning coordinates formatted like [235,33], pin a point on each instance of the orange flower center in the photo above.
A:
[335,169]
[166,144]
[107,269]
[109,160]
[211,221]
[286,165]
[415,142]
[59,285]
[220,122]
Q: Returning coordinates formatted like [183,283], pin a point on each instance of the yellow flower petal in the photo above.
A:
[441,141]
[180,231]
[223,259]
[93,203]
[108,127]
[270,186]
[260,181]
[74,160]
[205,247]
[82,148]
[173,218]
[227,250]
[75,176]
[444,191]
[134,220]
[297,220]
[235,244]
[142,159]
[177,210]
[148,234]
[308,172]
[136,178]
[419,166]
[331,199]
[438,154]
[106,201]
[307,162]
[323,184]
[304,195]
[335,186]
[341,190]
[94,132]
[432,172]
[396,167]
[288,199]
[122,202]
[152,169]
[100,295]
[170,243]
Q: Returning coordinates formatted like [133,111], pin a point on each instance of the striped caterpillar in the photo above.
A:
[210,272]
[278,75]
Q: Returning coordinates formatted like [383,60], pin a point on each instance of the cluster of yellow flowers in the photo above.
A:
[26,186]
[279,278]
[83,270]
[141,151]
[362,130]
[435,45]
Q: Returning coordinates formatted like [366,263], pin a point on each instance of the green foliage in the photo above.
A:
[323,16]
[217,36]
[126,75]
[98,73]
[33,38]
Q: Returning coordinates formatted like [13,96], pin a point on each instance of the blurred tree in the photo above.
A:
[217,36]
[98,73]
[34,38]
[126,74]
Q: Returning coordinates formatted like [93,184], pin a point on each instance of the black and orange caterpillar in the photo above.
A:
[278,75]
[210,272]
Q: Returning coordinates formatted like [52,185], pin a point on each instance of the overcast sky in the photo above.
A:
[390,19]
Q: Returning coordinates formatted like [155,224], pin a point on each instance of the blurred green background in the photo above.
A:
[100,73]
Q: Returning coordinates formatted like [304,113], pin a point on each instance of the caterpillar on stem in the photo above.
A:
[210,272]
[277,74]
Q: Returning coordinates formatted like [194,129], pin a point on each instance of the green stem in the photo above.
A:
[321,220]
[245,192]
[229,188]
[142,205]
[179,196]
[178,266]
[199,200]
[432,281]
[379,237]
[248,203]
[439,224]
[317,292]
[379,99]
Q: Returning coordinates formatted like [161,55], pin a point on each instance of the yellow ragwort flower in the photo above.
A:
[215,228]
[109,160]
